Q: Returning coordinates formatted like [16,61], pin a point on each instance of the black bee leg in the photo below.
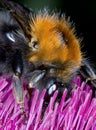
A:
[88,73]
[18,90]
[51,84]
[17,65]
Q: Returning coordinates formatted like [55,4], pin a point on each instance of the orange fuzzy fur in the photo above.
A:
[47,30]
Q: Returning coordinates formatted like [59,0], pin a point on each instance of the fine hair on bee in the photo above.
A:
[55,49]
[13,50]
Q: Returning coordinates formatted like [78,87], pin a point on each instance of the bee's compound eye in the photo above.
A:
[10,36]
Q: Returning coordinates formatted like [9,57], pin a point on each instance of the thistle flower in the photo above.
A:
[78,112]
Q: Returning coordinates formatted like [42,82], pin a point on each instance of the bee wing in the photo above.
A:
[22,14]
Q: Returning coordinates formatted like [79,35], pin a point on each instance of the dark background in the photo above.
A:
[82,13]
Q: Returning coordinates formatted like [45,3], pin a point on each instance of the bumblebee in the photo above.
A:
[55,49]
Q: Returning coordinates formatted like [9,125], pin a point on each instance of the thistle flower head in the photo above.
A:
[78,112]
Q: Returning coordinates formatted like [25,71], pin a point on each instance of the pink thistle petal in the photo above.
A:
[53,122]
